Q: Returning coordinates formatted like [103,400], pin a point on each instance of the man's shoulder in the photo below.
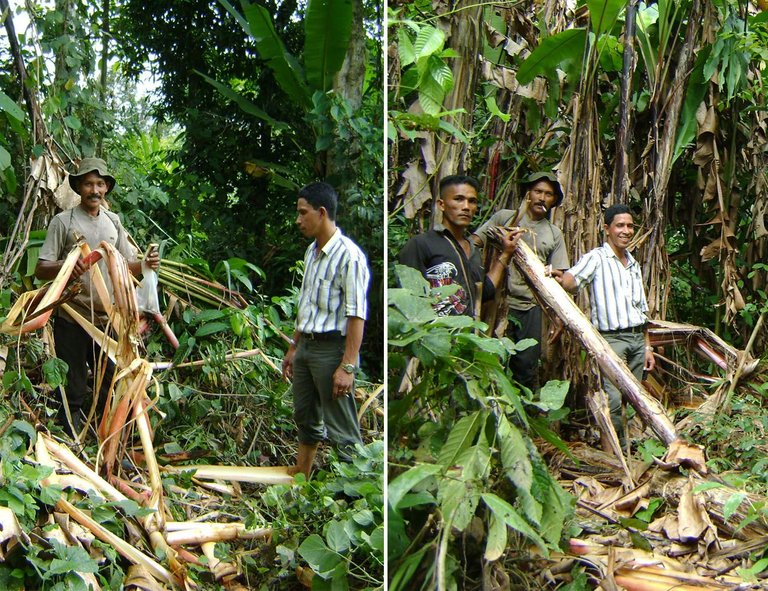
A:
[423,238]
[351,248]
[502,217]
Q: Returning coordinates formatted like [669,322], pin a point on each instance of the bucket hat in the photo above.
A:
[96,165]
[535,177]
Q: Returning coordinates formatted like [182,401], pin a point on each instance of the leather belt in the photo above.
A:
[333,335]
[632,329]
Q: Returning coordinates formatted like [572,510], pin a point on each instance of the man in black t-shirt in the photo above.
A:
[446,256]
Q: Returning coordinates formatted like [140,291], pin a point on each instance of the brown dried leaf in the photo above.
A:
[415,189]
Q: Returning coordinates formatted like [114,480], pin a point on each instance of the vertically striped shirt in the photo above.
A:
[617,296]
[334,286]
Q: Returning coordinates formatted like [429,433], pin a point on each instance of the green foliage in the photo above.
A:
[563,50]
[335,522]
[460,447]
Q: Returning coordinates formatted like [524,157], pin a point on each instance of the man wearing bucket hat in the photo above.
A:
[95,224]
[542,194]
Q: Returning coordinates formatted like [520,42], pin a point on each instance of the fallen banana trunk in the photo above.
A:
[252,474]
[638,570]
[213,532]
[702,340]
[713,504]
[551,293]
[16,321]
[225,573]
[12,537]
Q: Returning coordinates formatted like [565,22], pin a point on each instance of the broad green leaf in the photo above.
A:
[376,539]
[603,14]
[71,559]
[411,279]
[401,580]
[514,454]
[50,494]
[417,499]
[405,48]
[458,498]
[327,27]
[237,16]
[429,40]
[506,513]
[397,488]
[336,537]
[490,102]
[55,372]
[415,309]
[552,53]
[319,556]
[5,158]
[497,539]
[517,467]
[208,315]
[440,73]
[431,96]
[750,574]
[273,52]
[73,122]
[8,105]
[732,504]
[242,102]
[461,438]
[707,486]
[552,395]
[558,503]
[211,328]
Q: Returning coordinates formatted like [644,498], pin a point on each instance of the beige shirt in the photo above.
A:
[544,238]
[61,238]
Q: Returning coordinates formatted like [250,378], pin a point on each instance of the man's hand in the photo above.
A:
[650,360]
[79,268]
[288,363]
[153,260]
[510,240]
[342,383]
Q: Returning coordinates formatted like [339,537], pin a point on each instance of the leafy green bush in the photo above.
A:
[334,522]
[464,470]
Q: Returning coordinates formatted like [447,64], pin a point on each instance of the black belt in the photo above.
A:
[632,329]
[333,335]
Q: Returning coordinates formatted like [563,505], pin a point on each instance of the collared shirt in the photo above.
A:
[544,238]
[334,286]
[617,296]
[442,261]
[60,239]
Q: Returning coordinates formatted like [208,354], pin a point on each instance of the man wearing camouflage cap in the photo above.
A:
[542,194]
[91,220]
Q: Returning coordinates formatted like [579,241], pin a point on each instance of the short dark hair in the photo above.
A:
[320,194]
[458,179]
[614,210]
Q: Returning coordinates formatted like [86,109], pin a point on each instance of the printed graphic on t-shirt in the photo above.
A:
[445,274]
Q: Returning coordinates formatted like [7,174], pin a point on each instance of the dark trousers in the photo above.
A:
[80,352]
[316,413]
[630,347]
[525,324]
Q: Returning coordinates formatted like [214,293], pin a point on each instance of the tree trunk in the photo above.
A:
[464,36]
[554,297]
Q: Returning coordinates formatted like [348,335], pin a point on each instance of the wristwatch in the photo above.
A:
[349,367]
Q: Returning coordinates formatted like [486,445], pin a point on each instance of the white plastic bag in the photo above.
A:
[146,292]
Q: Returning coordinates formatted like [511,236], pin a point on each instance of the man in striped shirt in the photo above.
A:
[323,357]
[617,299]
